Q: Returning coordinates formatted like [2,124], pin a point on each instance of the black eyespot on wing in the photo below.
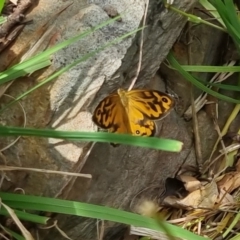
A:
[137,132]
[164,99]
[145,128]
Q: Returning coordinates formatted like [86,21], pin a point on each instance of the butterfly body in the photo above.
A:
[133,111]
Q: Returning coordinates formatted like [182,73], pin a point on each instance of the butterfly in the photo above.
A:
[133,112]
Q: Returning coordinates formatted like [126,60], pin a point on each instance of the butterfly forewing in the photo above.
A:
[150,104]
[111,115]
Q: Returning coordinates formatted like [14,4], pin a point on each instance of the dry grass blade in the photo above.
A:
[1,235]
[140,47]
[61,231]
[140,231]
[100,229]
[201,100]
[224,131]
[24,231]
[231,148]
[57,228]
[13,168]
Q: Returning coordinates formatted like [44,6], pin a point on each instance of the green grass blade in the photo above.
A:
[149,142]
[232,225]
[212,10]
[1,5]
[37,66]
[93,211]
[221,69]
[231,14]
[222,86]
[236,237]
[26,216]
[173,62]
[18,70]
[227,11]
[66,68]
[198,68]
[194,18]
[23,69]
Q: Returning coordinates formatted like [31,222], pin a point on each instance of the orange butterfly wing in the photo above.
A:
[150,104]
[110,114]
[144,106]
[133,111]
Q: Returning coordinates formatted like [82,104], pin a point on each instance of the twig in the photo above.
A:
[140,231]
[12,168]
[194,114]
[100,229]
[11,37]
[4,237]
[61,231]
[16,17]
[140,47]
[27,235]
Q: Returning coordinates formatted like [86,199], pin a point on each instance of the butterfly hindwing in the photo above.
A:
[143,128]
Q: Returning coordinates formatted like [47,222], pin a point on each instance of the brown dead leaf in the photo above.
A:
[225,198]
[209,195]
[230,181]
[14,2]
[190,183]
[171,201]
[193,200]
[205,197]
